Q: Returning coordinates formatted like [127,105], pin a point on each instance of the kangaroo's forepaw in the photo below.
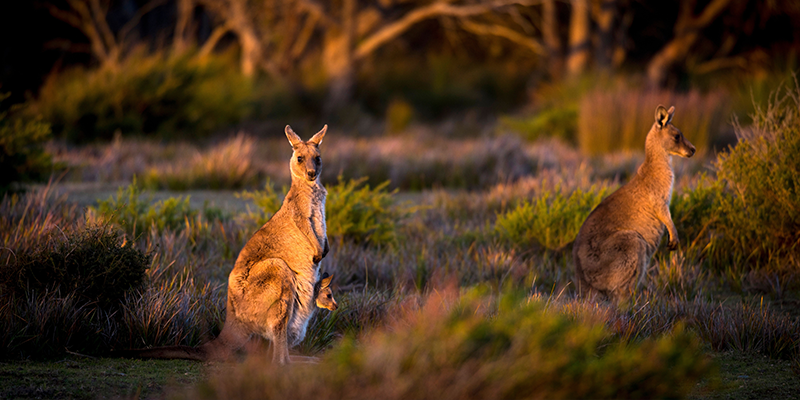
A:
[673,244]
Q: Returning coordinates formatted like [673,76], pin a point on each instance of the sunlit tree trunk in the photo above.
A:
[184,10]
[605,13]
[579,38]
[550,37]
[338,58]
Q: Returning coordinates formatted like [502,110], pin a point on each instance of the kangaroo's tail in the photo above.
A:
[168,352]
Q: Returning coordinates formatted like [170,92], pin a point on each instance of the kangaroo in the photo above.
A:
[274,285]
[615,243]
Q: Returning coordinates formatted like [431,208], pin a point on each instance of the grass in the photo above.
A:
[75,377]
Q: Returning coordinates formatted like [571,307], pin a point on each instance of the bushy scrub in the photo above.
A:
[357,212]
[22,155]
[748,217]
[146,94]
[137,216]
[96,264]
[354,211]
[550,221]
[479,347]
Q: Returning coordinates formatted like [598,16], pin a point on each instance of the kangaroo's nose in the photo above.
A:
[312,174]
[692,150]
[334,307]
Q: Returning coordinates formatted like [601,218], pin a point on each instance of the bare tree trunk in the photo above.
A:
[579,38]
[339,59]
[687,30]
[605,13]
[550,36]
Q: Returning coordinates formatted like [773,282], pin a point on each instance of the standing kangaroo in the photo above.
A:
[274,287]
[617,240]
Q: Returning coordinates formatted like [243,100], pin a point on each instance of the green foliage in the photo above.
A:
[353,209]
[399,114]
[22,156]
[146,94]
[748,217]
[481,348]
[136,216]
[267,202]
[559,122]
[95,264]
[551,221]
[362,214]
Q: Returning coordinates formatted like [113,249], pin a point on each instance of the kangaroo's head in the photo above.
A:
[324,293]
[306,163]
[667,136]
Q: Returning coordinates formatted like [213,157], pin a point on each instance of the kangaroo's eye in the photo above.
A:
[677,137]
[299,159]
[329,296]
[317,159]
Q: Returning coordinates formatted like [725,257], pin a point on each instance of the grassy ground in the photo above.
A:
[742,376]
[88,378]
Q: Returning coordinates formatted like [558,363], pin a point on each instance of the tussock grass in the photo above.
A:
[226,165]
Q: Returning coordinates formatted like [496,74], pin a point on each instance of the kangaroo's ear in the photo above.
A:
[293,138]
[326,280]
[663,116]
[317,138]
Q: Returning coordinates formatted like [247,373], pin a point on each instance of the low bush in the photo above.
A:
[147,94]
[96,264]
[480,348]
[747,217]
[558,122]
[357,212]
[22,155]
[551,221]
[354,211]
[137,216]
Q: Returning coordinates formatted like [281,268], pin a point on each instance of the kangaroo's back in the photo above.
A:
[615,243]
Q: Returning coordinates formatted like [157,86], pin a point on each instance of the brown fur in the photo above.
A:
[616,242]
[273,286]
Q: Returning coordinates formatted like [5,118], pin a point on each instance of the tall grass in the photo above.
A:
[619,118]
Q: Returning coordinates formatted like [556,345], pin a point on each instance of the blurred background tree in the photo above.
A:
[325,58]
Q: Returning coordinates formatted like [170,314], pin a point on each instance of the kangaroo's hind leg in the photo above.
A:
[269,304]
[622,265]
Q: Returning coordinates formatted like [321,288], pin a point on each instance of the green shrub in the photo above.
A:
[362,214]
[95,264]
[559,122]
[551,221]
[748,216]
[353,209]
[267,202]
[147,94]
[22,156]
[137,216]
[479,348]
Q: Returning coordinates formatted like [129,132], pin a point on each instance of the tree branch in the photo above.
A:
[213,39]
[126,29]
[440,8]
[507,33]
[316,9]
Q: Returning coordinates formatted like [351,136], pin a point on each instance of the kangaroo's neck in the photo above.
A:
[656,171]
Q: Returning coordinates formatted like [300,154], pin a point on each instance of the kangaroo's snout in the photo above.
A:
[691,151]
[312,175]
